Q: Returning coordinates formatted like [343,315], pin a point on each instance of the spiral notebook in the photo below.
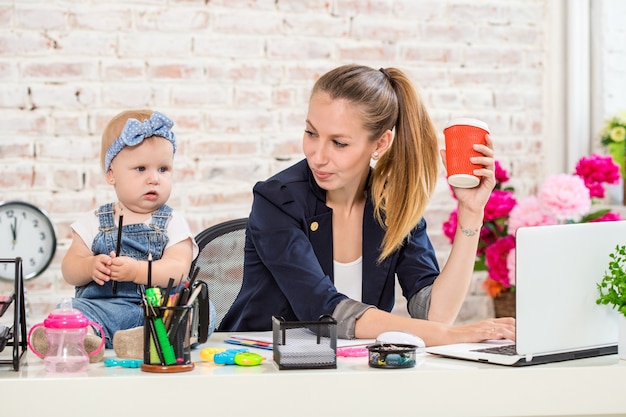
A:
[557,318]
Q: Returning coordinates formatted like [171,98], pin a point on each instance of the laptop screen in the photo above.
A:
[557,271]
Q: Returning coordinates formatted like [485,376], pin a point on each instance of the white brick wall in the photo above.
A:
[235,77]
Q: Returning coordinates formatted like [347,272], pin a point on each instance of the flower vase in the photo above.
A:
[621,343]
[504,304]
[615,193]
[617,150]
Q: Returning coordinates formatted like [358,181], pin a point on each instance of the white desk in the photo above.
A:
[436,387]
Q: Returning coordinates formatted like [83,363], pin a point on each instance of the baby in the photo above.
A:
[138,148]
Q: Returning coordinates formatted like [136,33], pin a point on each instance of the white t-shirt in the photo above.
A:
[177,229]
[349,278]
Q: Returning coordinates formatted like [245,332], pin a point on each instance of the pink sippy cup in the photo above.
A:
[65,330]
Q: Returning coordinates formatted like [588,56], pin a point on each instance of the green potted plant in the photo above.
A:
[613,292]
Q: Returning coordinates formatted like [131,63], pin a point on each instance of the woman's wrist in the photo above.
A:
[469,232]
[470,222]
[471,210]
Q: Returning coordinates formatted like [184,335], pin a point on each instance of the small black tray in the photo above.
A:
[305,344]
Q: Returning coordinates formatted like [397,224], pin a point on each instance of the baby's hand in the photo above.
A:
[100,271]
[123,268]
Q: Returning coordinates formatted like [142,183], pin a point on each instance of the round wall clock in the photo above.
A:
[26,231]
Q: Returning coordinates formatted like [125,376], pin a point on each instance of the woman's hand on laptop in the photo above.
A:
[500,328]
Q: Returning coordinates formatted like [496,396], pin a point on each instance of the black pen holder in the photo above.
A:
[305,344]
[166,339]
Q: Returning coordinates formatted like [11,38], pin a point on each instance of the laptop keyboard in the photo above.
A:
[508,350]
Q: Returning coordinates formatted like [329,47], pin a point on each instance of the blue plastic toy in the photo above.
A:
[124,363]
[227,357]
[239,357]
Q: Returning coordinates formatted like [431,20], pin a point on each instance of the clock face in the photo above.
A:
[25,231]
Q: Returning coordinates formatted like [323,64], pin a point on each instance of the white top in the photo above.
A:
[177,229]
[349,278]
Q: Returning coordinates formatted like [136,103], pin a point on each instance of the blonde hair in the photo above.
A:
[404,178]
[115,126]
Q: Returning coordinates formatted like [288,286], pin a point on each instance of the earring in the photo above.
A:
[375,155]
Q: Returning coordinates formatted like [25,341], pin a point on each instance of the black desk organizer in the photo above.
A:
[305,344]
[16,334]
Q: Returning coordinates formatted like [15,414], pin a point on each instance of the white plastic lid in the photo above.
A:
[469,122]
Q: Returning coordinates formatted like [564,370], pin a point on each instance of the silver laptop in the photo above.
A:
[557,318]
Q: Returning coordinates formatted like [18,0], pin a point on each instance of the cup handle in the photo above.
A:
[29,344]
[91,323]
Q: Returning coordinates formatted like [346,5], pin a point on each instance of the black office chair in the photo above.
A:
[221,263]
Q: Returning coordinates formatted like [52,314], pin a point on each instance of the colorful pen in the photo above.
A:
[161,334]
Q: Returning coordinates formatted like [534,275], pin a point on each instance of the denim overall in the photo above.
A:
[123,310]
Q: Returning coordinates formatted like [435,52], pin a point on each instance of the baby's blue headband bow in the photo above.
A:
[135,132]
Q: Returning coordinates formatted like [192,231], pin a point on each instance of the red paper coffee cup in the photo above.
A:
[461,134]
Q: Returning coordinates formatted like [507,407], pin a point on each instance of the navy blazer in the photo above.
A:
[288,267]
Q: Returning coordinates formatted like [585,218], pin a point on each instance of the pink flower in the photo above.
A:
[596,189]
[496,258]
[611,216]
[566,196]
[528,212]
[510,264]
[450,225]
[597,170]
[501,175]
[499,204]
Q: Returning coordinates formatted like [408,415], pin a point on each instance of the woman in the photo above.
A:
[329,234]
